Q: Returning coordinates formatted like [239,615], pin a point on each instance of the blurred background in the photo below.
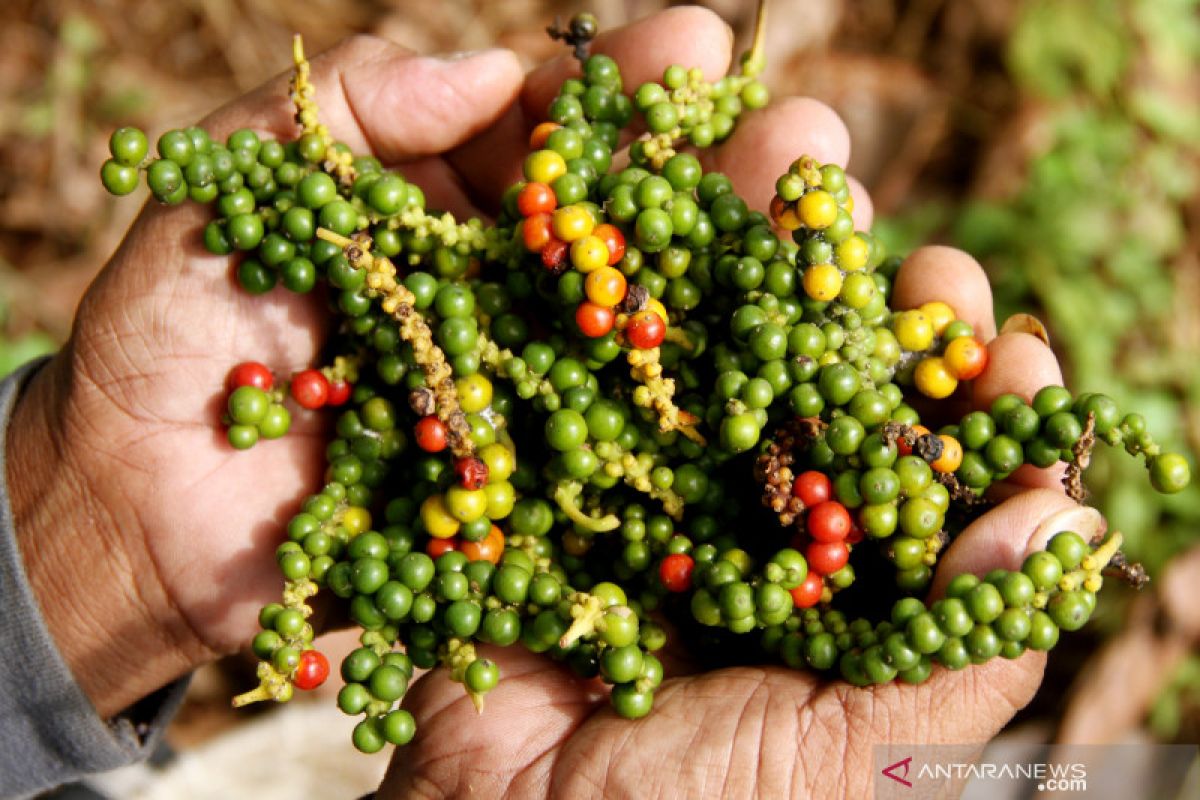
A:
[1056,140]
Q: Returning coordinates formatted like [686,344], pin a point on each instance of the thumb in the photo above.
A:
[1001,538]
[379,97]
[971,705]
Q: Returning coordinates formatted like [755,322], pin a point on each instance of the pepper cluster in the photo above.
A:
[753,470]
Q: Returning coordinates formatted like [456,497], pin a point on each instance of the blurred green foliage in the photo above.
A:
[1095,239]
[1096,242]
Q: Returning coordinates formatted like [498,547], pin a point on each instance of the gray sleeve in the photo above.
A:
[49,731]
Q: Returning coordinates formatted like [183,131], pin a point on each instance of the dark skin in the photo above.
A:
[154,540]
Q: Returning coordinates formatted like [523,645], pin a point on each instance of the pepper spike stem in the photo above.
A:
[565,495]
[256,695]
[591,609]
[756,57]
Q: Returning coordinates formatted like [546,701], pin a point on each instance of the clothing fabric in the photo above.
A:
[50,733]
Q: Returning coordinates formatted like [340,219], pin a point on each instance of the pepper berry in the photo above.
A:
[312,670]
[339,392]
[251,373]
[310,389]
[472,472]
[675,572]
[430,433]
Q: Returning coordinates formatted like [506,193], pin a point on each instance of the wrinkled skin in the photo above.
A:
[123,480]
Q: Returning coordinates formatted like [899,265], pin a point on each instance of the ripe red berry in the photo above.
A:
[430,433]
[827,557]
[312,670]
[554,254]
[339,392]
[472,472]
[535,232]
[828,522]
[536,198]
[808,593]
[310,388]
[438,547]
[251,373]
[675,572]
[646,329]
[812,487]
[613,239]
[594,321]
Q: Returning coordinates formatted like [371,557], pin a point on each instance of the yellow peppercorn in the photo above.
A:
[822,281]
[914,330]
[589,253]
[934,379]
[474,393]
[951,457]
[500,461]
[437,518]
[571,223]
[788,219]
[500,499]
[817,209]
[465,505]
[852,253]
[653,304]
[849,204]
[604,286]
[940,314]
[355,520]
[544,166]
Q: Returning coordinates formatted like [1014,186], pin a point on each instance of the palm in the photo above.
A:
[729,732]
[152,353]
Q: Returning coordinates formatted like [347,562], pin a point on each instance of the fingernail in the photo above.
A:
[1026,323]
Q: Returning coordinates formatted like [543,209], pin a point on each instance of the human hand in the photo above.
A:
[147,539]
[743,731]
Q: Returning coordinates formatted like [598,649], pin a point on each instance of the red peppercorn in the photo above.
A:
[472,472]
[613,239]
[646,329]
[312,670]
[554,254]
[593,320]
[310,388]
[430,433]
[437,547]
[251,373]
[339,392]
[827,557]
[536,198]
[828,522]
[808,593]
[675,572]
[812,487]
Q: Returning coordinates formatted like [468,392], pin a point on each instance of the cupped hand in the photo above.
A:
[747,731]
[149,541]
[147,538]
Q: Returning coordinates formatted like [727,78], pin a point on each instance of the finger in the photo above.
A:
[1018,363]
[377,96]
[971,705]
[864,209]
[765,144]
[688,35]
[951,276]
[1000,539]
